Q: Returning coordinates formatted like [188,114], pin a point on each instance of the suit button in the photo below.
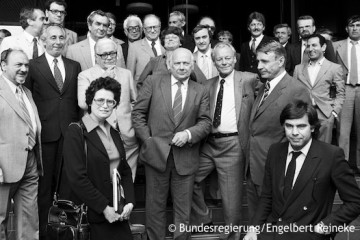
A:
[305,208]
[26,149]
[280,219]
[27,134]
[60,98]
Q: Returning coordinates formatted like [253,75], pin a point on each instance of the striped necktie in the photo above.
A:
[177,106]
[32,134]
[35,49]
[57,75]
[266,92]
[353,67]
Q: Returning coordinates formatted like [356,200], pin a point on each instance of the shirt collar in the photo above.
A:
[90,124]
[258,39]
[29,37]
[174,81]
[150,41]
[208,53]
[91,41]
[320,62]
[228,79]
[276,80]
[50,58]
[11,84]
[304,150]
[349,41]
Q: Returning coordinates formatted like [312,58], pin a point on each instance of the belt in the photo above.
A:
[222,135]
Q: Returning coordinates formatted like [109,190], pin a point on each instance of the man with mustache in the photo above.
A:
[256,26]
[298,53]
[52,80]
[84,51]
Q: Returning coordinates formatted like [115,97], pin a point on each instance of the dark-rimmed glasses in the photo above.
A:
[109,102]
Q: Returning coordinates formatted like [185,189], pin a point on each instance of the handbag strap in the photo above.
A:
[81,125]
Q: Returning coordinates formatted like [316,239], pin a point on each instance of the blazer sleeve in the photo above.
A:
[131,59]
[127,182]
[330,52]
[76,171]
[339,80]
[148,70]
[349,192]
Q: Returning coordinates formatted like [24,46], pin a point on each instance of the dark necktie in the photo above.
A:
[58,76]
[266,92]
[32,134]
[353,67]
[253,49]
[289,177]
[218,107]
[153,48]
[177,106]
[35,49]
[305,55]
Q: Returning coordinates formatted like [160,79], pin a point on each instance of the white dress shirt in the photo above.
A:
[357,47]
[313,70]
[200,58]
[174,88]
[299,160]
[157,46]
[273,84]
[257,41]
[228,122]
[60,64]
[303,47]
[26,100]
[92,43]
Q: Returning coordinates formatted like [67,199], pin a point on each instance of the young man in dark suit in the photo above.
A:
[301,178]
[53,81]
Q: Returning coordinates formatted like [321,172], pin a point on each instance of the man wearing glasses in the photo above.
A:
[106,52]
[112,28]
[55,11]
[52,79]
[84,51]
[133,28]
[142,50]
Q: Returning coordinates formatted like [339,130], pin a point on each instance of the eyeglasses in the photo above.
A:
[171,37]
[105,55]
[148,29]
[133,29]
[109,102]
[56,12]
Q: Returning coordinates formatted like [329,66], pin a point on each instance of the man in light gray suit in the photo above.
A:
[232,95]
[171,117]
[20,148]
[348,56]
[84,51]
[142,50]
[325,82]
[106,51]
[265,128]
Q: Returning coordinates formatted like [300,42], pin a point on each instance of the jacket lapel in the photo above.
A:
[280,172]
[166,92]
[213,97]
[94,138]
[190,98]
[305,78]
[324,68]
[45,71]
[342,53]
[86,53]
[147,48]
[255,109]
[68,74]
[238,94]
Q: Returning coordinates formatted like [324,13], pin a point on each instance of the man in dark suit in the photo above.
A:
[231,97]
[256,27]
[177,19]
[301,178]
[171,117]
[265,129]
[53,81]
[20,149]
[298,52]
[283,33]
[133,31]
[325,82]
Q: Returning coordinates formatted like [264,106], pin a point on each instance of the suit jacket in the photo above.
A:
[294,55]
[188,42]
[214,72]
[153,120]
[248,61]
[71,38]
[20,41]
[117,41]
[138,56]
[80,52]
[330,73]
[157,65]
[245,84]
[324,172]
[122,114]
[265,128]
[56,109]
[14,137]
[341,53]
[90,175]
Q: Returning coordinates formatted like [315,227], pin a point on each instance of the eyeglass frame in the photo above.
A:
[107,101]
[105,55]
[132,28]
[55,12]
[148,29]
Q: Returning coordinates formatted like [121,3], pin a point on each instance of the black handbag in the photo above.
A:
[66,220]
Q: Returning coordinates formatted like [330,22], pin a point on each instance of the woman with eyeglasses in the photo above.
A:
[90,174]
[171,39]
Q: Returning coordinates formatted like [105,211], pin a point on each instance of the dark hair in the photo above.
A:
[171,30]
[5,32]
[322,40]
[297,109]
[273,46]
[111,15]
[307,17]
[257,16]
[25,14]
[352,19]
[201,27]
[106,83]
[282,25]
[225,33]
[58,2]
[90,18]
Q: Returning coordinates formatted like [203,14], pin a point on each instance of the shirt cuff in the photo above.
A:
[189,133]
